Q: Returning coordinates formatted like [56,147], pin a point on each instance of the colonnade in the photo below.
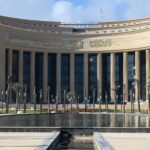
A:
[72,73]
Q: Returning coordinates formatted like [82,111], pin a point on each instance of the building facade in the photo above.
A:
[108,60]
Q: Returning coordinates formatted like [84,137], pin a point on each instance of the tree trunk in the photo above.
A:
[16,102]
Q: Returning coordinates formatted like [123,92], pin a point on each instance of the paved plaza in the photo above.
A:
[25,140]
[128,141]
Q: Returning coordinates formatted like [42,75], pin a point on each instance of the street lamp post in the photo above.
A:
[9,85]
[71,98]
[138,97]
[52,100]
[121,101]
[17,95]
[137,84]
[100,99]
[19,99]
[88,103]
[124,95]
[116,97]
[130,94]
[34,97]
[40,100]
[64,100]
[116,103]
[85,99]
[25,98]
[56,103]
[132,99]
[7,105]
[78,103]
[106,102]
[48,98]
[148,89]
[93,99]
[16,90]
[2,99]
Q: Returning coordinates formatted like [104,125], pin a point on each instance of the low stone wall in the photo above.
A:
[77,131]
[100,143]
[49,143]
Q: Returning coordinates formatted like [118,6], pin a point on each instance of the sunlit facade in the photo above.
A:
[104,60]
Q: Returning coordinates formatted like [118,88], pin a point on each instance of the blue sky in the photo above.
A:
[76,11]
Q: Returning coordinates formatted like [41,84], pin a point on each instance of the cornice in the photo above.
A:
[103,28]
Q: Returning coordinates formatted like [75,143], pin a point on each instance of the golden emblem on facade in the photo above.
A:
[79,44]
[100,43]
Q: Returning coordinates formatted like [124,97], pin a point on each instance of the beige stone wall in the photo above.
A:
[44,36]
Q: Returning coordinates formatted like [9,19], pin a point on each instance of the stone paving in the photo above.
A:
[23,140]
[128,141]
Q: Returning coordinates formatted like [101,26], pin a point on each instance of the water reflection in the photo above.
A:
[77,120]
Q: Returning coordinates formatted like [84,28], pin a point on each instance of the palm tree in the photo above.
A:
[16,88]
[25,97]
[9,86]
[70,96]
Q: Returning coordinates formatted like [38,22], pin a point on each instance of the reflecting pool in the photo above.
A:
[70,120]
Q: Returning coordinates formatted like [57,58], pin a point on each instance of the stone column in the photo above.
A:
[125,75]
[72,73]
[21,71]
[99,74]
[112,77]
[86,75]
[10,62]
[21,68]
[32,76]
[10,51]
[2,69]
[58,82]
[137,75]
[45,76]
[147,72]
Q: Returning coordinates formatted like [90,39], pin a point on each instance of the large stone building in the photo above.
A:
[110,58]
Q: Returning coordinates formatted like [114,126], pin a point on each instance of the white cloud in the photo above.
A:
[78,11]
[67,11]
